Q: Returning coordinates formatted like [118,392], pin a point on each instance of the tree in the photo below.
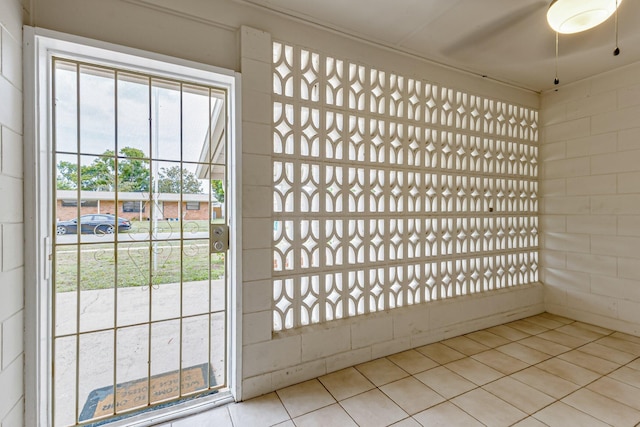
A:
[218,189]
[99,176]
[67,178]
[169,181]
[133,172]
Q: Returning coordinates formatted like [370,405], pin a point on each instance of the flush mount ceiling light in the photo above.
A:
[574,16]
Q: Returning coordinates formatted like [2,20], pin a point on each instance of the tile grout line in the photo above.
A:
[466,356]
[557,356]
[534,365]
[570,349]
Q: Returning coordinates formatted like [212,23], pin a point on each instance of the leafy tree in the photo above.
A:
[218,189]
[99,175]
[67,178]
[133,172]
[169,181]
[133,175]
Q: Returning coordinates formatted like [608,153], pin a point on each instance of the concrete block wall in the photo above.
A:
[590,189]
[11,217]
[272,361]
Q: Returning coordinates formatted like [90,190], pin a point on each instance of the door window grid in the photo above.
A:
[88,345]
[391,191]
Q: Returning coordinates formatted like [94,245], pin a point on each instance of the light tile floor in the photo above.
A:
[541,371]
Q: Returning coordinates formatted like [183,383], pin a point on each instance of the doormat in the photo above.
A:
[133,394]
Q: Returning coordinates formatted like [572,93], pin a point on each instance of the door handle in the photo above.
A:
[219,238]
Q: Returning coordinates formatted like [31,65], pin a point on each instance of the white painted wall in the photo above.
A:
[212,32]
[274,361]
[591,200]
[11,217]
[207,31]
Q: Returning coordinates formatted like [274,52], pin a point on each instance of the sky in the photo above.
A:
[98,112]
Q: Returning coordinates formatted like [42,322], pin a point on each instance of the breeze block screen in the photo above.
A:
[390,190]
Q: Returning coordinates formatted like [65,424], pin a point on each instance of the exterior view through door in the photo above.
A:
[139,308]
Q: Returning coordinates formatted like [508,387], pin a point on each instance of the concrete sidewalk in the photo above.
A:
[148,327]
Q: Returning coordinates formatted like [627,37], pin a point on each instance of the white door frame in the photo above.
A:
[39,46]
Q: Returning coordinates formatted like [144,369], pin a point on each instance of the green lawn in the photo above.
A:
[168,226]
[139,264]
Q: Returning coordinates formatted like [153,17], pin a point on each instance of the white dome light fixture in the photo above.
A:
[574,16]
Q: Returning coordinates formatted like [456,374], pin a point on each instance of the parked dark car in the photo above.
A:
[93,224]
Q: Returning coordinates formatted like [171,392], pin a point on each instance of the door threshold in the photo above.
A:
[174,412]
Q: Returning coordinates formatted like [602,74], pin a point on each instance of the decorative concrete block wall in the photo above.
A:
[590,156]
[11,217]
[278,352]
[392,190]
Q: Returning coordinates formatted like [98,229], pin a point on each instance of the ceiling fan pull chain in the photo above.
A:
[556,81]
[616,52]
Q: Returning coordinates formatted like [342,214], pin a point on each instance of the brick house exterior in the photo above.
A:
[136,206]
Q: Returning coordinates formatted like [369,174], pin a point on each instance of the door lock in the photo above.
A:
[219,237]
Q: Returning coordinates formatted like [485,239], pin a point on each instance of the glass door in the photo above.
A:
[139,301]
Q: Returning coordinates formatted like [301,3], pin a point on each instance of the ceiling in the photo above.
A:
[506,40]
